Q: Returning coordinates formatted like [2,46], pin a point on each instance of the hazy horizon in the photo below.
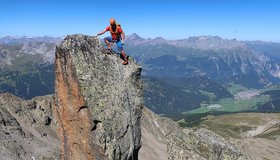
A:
[178,19]
[41,36]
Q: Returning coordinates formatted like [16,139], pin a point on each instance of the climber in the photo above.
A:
[117,36]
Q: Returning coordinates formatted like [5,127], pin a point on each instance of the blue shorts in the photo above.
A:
[118,42]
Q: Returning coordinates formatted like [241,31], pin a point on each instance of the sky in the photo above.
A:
[170,19]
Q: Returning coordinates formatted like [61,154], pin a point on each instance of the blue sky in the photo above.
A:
[171,19]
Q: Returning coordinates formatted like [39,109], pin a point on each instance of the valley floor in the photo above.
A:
[257,134]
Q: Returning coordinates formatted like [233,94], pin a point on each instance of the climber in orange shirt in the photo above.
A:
[117,36]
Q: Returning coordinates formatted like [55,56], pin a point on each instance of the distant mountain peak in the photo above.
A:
[134,37]
[160,39]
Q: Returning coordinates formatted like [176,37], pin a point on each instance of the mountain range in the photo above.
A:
[220,59]
[27,65]
[97,112]
[178,74]
[97,106]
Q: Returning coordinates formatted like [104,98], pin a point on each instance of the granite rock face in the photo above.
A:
[164,139]
[98,101]
[23,132]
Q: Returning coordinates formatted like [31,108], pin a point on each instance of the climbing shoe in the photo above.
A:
[125,62]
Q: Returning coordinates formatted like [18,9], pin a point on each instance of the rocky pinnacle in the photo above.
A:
[98,101]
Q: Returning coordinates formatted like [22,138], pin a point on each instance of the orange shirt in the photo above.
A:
[117,34]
